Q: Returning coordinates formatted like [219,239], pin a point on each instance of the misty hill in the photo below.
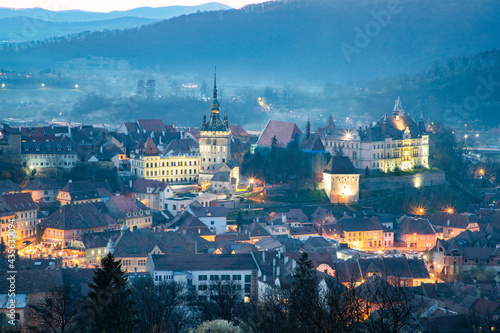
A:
[297,40]
[160,13]
[24,29]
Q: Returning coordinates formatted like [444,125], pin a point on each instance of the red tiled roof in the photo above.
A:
[284,132]
[124,204]
[237,130]
[18,202]
[150,149]
[155,125]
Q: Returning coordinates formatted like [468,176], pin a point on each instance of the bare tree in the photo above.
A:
[160,306]
[218,299]
[56,312]
[392,306]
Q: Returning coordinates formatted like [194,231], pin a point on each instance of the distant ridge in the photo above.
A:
[293,40]
[160,13]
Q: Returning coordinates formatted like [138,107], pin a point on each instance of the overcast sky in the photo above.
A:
[110,5]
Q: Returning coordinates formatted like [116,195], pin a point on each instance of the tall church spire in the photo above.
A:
[215,102]
[308,127]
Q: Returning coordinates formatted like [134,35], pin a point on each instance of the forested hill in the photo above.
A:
[290,40]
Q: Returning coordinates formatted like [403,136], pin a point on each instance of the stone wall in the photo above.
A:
[417,180]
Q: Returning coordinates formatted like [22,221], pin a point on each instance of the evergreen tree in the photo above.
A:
[110,306]
[304,296]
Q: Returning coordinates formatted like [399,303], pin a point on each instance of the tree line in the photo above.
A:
[308,301]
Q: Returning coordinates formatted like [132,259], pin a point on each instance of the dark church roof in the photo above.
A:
[215,123]
[340,165]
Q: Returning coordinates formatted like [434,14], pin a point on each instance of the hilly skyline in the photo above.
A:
[24,25]
[286,41]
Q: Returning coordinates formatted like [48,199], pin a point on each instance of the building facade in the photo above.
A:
[215,141]
[180,166]
[394,142]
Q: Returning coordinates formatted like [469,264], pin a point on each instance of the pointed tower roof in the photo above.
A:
[330,123]
[215,103]
[308,127]
[215,122]
[150,149]
[397,106]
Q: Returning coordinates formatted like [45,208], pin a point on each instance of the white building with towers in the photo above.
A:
[394,142]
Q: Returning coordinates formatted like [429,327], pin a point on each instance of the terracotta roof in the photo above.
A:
[485,307]
[141,185]
[150,148]
[17,202]
[284,132]
[123,204]
[237,130]
[155,125]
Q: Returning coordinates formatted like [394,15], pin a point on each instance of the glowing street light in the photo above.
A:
[481,172]
[76,86]
[43,84]
[449,210]
[252,181]
[3,85]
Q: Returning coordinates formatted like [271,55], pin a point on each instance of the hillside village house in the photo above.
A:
[364,233]
[453,224]
[71,222]
[80,192]
[20,208]
[49,154]
[215,218]
[417,233]
[151,193]
[133,248]
[199,271]
[43,190]
[129,212]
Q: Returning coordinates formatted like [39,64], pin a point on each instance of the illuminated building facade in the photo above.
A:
[215,141]
[179,164]
[396,141]
[341,181]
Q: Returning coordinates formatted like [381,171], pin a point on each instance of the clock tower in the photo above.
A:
[215,141]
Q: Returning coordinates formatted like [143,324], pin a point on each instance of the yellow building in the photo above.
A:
[179,163]
[417,233]
[365,233]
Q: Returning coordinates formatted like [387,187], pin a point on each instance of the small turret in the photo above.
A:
[111,246]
